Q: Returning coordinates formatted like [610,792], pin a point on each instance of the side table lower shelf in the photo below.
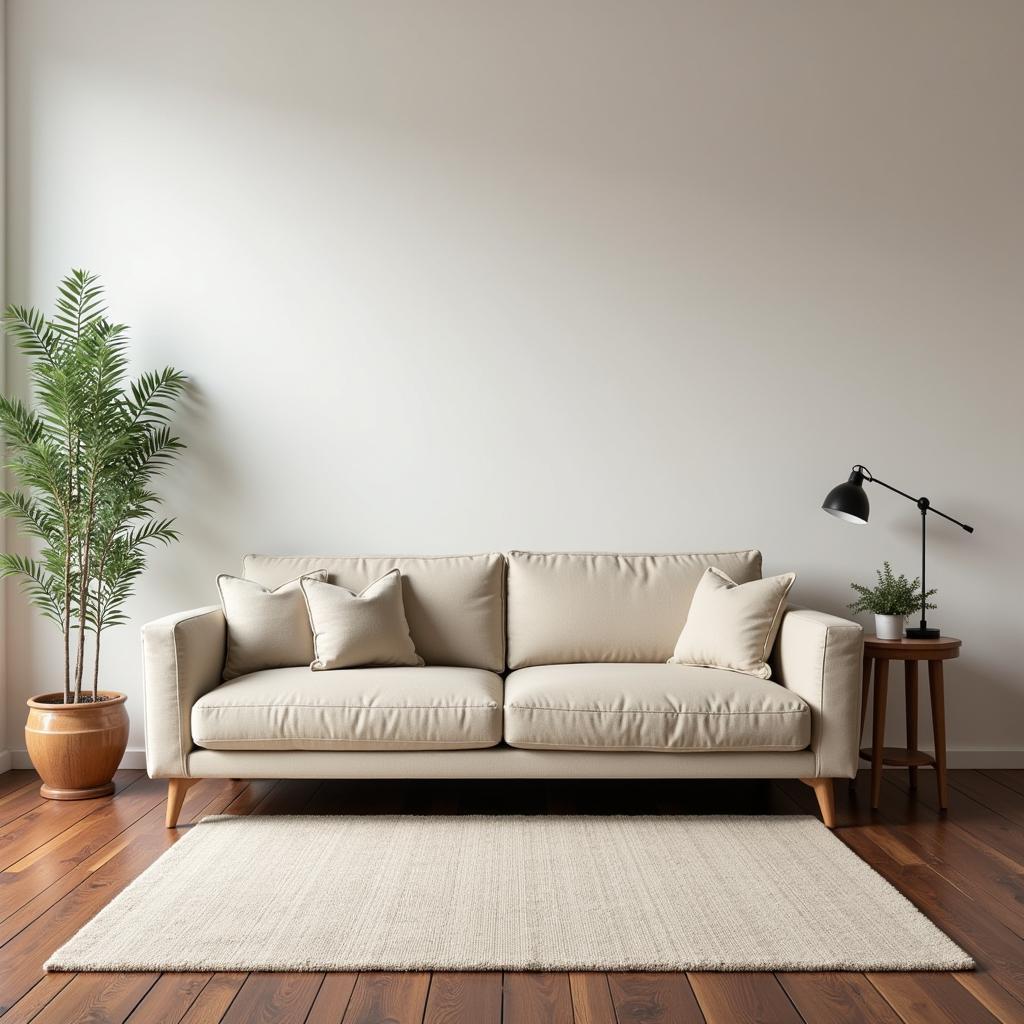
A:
[900,757]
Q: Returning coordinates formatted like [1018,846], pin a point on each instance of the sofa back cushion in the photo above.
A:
[566,608]
[455,605]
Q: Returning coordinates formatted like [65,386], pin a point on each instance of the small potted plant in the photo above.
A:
[891,601]
[85,453]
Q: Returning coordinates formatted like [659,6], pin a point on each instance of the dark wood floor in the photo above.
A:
[61,862]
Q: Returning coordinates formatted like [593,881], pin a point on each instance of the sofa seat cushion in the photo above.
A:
[651,707]
[432,708]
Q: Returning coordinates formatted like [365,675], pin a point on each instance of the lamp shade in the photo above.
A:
[849,501]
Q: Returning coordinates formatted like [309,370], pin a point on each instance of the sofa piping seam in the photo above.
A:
[754,749]
[821,705]
[319,739]
[177,702]
[353,707]
[641,711]
[776,623]
[635,554]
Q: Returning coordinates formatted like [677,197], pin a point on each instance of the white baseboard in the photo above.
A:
[134,757]
[984,757]
[5,761]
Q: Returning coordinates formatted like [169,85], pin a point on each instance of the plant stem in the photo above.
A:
[67,573]
[96,667]
[67,622]
[83,589]
[99,616]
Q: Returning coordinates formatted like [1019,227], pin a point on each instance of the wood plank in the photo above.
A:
[987,991]
[742,999]
[22,956]
[591,998]
[957,869]
[20,802]
[169,999]
[911,832]
[27,878]
[994,947]
[333,998]
[1011,777]
[464,998]
[36,998]
[212,1003]
[38,826]
[45,923]
[274,998]
[653,999]
[392,997]
[41,826]
[291,796]
[991,794]
[67,882]
[994,881]
[930,998]
[15,779]
[117,815]
[538,998]
[244,798]
[997,831]
[97,997]
[831,998]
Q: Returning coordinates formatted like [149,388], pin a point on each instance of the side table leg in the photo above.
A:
[878,729]
[938,695]
[910,677]
[865,690]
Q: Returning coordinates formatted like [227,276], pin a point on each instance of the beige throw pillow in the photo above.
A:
[733,625]
[266,628]
[353,630]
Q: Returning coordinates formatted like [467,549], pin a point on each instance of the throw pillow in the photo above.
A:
[353,630]
[733,625]
[266,628]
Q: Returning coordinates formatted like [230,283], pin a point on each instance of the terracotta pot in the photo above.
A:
[76,748]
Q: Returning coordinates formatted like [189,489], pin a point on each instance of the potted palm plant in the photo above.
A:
[85,454]
[891,601]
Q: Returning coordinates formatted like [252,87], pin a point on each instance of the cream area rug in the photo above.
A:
[509,892]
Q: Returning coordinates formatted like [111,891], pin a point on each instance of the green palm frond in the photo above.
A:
[85,451]
[19,424]
[153,395]
[34,335]
[38,583]
[79,303]
[37,514]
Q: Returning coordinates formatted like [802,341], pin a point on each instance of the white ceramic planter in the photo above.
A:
[889,627]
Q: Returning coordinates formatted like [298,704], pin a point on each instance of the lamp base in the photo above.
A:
[927,633]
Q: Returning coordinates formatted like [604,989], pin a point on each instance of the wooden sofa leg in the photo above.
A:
[826,799]
[176,790]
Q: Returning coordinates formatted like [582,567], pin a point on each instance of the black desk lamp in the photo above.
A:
[849,502]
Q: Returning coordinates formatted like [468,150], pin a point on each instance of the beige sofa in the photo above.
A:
[538,665]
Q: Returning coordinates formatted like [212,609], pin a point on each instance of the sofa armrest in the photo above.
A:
[183,656]
[819,657]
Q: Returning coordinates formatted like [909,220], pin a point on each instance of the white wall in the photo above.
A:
[453,276]
[5,753]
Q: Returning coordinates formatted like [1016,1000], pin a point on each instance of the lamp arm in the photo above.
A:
[963,526]
[922,503]
[866,473]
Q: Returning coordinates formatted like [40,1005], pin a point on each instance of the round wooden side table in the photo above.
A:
[879,653]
